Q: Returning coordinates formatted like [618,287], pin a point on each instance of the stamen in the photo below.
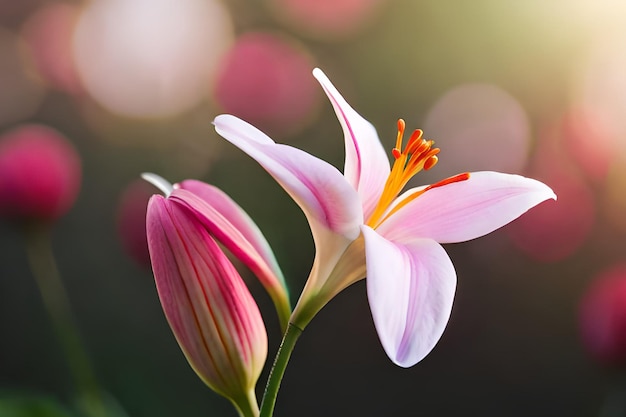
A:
[430,162]
[401,127]
[418,154]
[451,180]
[415,141]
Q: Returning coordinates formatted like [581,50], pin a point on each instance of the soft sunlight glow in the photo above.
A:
[481,127]
[602,85]
[150,58]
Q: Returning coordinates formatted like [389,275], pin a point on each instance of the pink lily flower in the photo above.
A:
[362,225]
[208,306]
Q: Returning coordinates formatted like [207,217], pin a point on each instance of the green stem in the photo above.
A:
[56,303]
[247,406]
[278,369]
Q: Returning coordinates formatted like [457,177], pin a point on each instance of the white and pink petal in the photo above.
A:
[465,210]
[410,288]
[317,187]
[367,165]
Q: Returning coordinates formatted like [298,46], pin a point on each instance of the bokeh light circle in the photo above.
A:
[326,19]
[603,317]
[150,58]
[601,85]
[48,34]
[589,140]
[555,230]
[478,127]
[266,80]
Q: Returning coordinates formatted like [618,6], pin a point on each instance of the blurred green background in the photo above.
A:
[534,87]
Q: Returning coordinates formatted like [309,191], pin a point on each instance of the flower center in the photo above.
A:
[418,154]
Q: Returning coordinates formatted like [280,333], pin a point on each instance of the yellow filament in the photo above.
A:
[418,154]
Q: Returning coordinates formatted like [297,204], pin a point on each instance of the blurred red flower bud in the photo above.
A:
[131,220]
[603,317]
[40,173]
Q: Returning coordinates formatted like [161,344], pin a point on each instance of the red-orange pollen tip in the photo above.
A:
[456,178]
[430,162]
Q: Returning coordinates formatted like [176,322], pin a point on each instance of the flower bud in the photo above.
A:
[39,173]
[231,226]
[208,306]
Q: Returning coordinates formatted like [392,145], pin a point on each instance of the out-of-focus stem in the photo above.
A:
[56,303]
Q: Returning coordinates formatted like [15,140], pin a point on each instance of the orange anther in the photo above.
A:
[417,147]
[430,162]
[396,153]
[401,127]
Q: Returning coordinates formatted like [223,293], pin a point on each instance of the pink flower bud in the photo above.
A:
[603,317]
[208,306]
[40,173]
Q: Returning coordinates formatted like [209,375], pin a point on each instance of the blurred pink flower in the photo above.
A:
[555,231]
[362,225]
[48,34]
[40,173]
[327,19]
[131,220]
[208,306]
[590,141]
[265,79]
[603,317]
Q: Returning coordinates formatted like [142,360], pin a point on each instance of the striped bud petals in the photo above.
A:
[208,306]
[231,226]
